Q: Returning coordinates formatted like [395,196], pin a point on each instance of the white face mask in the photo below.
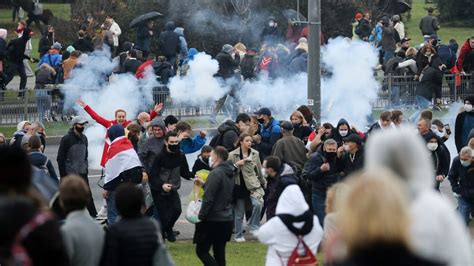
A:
[343,133]
[211,162]
[432,146]
[466,163]
[468,107]
[264,172]
[346,147]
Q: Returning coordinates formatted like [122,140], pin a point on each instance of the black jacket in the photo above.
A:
[230,134]
[321,181]
[462,179]
[275,187]
[335,132]
[3,49]
[169,168]
[460,128]
[430,83]
[143,38]
[72,154]
[348,166]
[162,71]
[363,29]
[84,45]
[169,41]
[217,199]
[41,161]
[131,66]
[302,132]
[248,67]
[45,43]
[199,165]
[130,241]
[227,65]
[16,48]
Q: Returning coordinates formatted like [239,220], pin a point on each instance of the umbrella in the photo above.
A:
[145,17]
[402,7]
[293,15]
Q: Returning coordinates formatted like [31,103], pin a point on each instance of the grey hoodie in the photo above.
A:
[437,231]
[152,146]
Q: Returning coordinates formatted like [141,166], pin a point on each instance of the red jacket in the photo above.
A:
[141,69]
[108,123]
[465,49]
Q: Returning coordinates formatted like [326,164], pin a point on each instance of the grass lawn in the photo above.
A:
[248,253]
[445,33]
[52,129]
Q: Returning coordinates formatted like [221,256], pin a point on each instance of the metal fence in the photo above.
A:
[48,104]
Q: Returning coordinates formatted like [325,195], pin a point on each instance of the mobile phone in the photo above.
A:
[448,129]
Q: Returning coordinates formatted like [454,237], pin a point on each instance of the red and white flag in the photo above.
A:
[120,157]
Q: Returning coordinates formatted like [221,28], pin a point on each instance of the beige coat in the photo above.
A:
[251,171]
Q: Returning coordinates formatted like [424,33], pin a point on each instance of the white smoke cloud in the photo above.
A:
[352,88]
[199,85]
[122,91]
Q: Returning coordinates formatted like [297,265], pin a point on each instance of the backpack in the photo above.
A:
[217,140]
[396,36]
[447,56]
[44,183]
[247,67]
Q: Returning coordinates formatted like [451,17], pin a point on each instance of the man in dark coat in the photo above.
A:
[363,29]
[72,156]
[169,44]
[352,155]
[322,169]
[462,182]
[83,43]
[429,24]
[144,36]
[16,55]
[464,124]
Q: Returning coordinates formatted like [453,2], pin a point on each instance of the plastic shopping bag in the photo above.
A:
[192,212]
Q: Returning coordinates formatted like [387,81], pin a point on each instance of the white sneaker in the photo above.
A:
[102,214]
[240,239]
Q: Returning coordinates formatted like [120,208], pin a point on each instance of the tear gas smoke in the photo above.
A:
[352,88]
[122,91]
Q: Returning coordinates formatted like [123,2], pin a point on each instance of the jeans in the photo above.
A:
[174,64]
[319,205]
[254,221]
[388,55]
[112,212]
[43,103]
[422,104]
[464,208]
[395,96]
[169,208]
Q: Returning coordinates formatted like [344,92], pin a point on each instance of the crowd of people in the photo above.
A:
[286,182]
[363,197]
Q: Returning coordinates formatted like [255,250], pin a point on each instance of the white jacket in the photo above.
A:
[437,231]
[281,242]
[115,29]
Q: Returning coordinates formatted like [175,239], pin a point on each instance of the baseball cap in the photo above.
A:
[405,40]
[79,120]
[264,111]
[353,138]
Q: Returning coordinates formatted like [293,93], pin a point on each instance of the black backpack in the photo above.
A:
[447,56]
[217,140]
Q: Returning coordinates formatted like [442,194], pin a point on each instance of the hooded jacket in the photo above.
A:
[217,199]
[152,146]
[270,135]
[337,137]
[169,41]
[276,185]
[230,134]
[462,179]
[168,168]
[274,233]
[462,128]
[465,50]
[72,154]
[227,65]
[321,181]
[183,45]
[437,231]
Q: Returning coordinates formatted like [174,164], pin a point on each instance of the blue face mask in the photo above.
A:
[465,163]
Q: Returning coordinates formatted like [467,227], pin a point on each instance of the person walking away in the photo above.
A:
[73,154]
[270,132]
[290,149]
[215,226]
[279,176]
[144,37]
[122,166]
[165,181]
[82,236]
[39,159]
[249,184]
[229,62]
[16,54]
[429,24]
[116,32]
[134,239]
[464,123]
[169,44]
[322,170]
[282,234]
[183,45]
[461,179]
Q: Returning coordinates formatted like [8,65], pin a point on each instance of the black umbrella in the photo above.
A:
[293,15]
[145,17]
[402,7]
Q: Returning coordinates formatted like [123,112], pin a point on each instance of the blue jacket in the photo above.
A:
[192,145]
[377,37]
[52,59]
[270,135]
